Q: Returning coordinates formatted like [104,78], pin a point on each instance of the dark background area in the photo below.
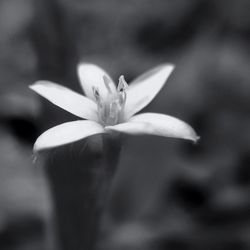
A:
[167,193]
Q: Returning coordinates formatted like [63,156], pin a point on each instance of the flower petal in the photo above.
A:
[67,99]
[66,133]
[144,88]
[90,76]
[156,124]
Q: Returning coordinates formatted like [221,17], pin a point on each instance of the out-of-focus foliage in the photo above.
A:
[168,194]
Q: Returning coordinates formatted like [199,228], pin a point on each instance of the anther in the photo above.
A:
[96,93]
[122,85]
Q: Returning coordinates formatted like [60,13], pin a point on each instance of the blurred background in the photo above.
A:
[167,194]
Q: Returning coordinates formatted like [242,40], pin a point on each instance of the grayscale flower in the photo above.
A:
[108,108]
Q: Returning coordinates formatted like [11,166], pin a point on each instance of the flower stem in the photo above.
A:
[80,176]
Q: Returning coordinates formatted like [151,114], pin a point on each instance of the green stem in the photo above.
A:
[80,177]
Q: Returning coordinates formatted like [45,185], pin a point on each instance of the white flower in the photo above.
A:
[109,108]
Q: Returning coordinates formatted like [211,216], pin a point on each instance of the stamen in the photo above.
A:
[122,98]
[122,85]
[107,82]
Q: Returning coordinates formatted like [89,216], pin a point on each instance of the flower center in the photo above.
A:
[111,107]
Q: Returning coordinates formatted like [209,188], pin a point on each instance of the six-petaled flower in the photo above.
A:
[108,108]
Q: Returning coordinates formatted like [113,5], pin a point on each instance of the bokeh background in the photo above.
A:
[167,194]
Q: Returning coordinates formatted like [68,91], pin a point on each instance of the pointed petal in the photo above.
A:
[67,99]
[144,88]
[156,124]
[66,133]
[90,76]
